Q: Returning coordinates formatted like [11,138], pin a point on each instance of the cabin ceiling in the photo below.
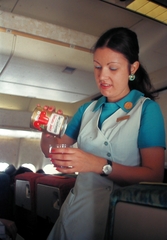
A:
[39,39]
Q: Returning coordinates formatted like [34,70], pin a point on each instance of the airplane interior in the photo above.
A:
[46,60]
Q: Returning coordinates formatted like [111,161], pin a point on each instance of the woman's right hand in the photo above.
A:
[52,109]
[47,139]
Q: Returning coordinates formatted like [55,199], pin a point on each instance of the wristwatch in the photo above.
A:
[107,169]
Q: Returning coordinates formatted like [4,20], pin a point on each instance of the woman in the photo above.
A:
[121,138]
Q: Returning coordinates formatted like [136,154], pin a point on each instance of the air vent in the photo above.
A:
[69,70]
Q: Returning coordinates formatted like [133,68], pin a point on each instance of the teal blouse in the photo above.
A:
[152,129]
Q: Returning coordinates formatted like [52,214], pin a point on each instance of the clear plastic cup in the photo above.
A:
[60,145]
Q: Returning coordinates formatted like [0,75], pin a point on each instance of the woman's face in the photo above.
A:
[111,70]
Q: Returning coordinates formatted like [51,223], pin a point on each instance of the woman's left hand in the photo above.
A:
[70,160]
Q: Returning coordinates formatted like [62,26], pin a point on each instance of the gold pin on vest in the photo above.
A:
[128,105]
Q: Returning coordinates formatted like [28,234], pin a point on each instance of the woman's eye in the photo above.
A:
[97,67]
[113,69]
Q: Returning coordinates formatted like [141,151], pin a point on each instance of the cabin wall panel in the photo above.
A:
[9,150]
[17,151]
[30,152]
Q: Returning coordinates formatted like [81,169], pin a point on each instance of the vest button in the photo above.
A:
[105,143]
[108,154]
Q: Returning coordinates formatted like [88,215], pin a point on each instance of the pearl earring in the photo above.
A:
[131,77]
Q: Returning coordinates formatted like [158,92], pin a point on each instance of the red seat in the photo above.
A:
[25,188]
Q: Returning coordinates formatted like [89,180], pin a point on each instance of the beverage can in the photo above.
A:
[47,121]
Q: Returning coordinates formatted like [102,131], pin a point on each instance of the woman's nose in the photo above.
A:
[103,74]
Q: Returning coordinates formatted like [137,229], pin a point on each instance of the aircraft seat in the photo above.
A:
[138,212]
[25,188]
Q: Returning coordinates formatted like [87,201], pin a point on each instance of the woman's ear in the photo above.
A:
[134,67]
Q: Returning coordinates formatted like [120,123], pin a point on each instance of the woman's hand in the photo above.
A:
[70,160]
[52,109]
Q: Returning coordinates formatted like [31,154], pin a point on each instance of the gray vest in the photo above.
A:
[117,139]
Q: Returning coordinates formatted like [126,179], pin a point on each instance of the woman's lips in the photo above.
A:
[105,85]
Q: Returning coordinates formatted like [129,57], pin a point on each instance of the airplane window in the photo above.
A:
[3,166]
[49,169]
[30,166]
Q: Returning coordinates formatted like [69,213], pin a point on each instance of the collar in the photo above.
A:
[126,103]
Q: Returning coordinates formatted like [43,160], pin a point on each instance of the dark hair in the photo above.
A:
[125,41]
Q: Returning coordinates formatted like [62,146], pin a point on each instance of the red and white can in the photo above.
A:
[47,121]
